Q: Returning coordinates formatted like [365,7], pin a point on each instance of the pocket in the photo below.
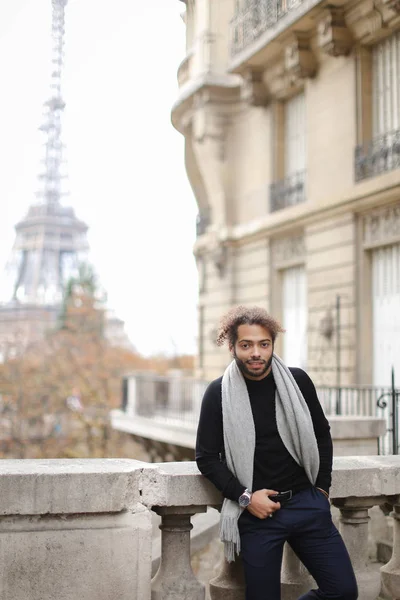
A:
[321,494]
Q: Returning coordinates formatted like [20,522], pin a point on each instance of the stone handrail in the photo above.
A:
[83,529]
[176,491]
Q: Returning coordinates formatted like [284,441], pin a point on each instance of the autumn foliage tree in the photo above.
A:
[58,394]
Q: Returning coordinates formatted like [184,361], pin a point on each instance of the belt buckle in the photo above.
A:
[290,494]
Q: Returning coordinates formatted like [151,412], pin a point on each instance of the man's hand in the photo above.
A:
[261,506]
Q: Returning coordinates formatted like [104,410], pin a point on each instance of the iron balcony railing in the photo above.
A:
[253,17]
[288,191]
[366,401]
[378,156]
[176,400]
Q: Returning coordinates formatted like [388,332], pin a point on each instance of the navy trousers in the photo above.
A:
[304,522]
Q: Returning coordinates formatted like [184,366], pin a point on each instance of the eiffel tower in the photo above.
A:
[50,240]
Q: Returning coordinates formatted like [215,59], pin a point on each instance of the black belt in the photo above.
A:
[281,496]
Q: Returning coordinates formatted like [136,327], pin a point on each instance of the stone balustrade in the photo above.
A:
[83,529]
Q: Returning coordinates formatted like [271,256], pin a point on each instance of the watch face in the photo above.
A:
[244,500]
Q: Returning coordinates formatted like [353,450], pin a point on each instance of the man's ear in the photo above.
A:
[232,351]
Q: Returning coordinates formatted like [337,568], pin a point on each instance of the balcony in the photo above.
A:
[380,155]
[288,192]
[255,17]
[162,412]
[83,529]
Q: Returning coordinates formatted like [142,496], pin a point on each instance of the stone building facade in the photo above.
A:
[290,111]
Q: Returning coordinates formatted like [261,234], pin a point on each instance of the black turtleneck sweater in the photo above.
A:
[274,467]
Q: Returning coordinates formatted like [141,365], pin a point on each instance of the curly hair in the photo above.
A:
[245,315]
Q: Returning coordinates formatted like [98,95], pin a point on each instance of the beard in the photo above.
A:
[246,369]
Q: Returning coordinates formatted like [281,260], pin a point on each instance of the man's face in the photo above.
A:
[253,351]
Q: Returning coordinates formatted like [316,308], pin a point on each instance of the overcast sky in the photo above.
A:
[125,161]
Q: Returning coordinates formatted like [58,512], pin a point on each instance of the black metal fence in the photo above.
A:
[366,401]
[288,191]
[378,156]
[254,17]
[177,400]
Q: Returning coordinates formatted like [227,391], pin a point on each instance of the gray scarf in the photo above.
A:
[295,427]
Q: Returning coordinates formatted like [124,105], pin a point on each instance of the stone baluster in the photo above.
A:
[295,577]
[175,579]
[229,583]
[391,571]
[354,522]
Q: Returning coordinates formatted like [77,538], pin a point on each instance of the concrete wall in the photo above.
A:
[82,528]
[73,529]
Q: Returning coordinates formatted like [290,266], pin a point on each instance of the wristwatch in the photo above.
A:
[245,498]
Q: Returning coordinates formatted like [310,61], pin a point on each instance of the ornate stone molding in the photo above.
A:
[296,63]
[381,226]
[277,80]
[222,92]
[370,18]
[288,251]
[393,5]
[254,91]
[334,38]
[210,123]
[299,60]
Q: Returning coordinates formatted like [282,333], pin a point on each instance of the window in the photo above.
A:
[386,313]
[295,135]
[386,86]
[291,161]
[379,98]
[294,300]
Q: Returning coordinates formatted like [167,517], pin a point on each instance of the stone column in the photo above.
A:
[295,577]
[354,522]
[229,584]
[391,571]
[175,579]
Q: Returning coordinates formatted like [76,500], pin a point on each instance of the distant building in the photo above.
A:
[291,118]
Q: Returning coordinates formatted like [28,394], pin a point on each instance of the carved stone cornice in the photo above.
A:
[277,80]
[369,19]
[381,226]
[299,60]
[334,38]
[210,119]
[390,11]
[254,90]
[393,5]
[287,74]
[288,251]
[210,125]
[364,21]
[223,91]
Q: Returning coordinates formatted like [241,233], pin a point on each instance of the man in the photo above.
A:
[264,442]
